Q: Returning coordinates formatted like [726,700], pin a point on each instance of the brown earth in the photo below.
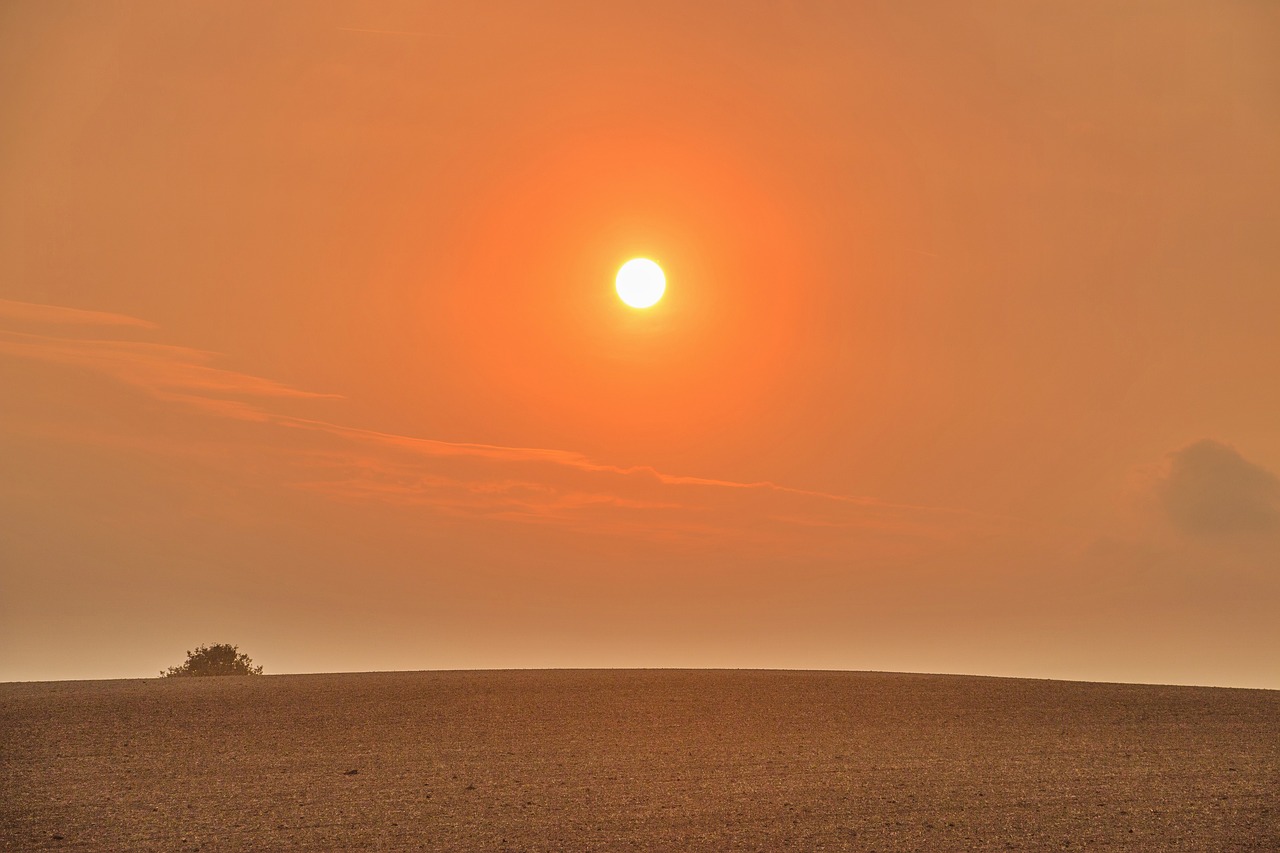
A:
[636,760]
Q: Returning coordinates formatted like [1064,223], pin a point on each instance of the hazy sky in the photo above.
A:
[969,359]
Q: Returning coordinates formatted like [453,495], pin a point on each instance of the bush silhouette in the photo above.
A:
[220,659]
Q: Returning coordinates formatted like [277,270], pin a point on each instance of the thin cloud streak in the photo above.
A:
[32,312]
[186,376]
[573,459]
[159,368]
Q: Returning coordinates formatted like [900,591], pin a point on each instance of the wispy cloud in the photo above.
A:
[478,480]
[539,485]
[31,312]
[170,372]
[580,462]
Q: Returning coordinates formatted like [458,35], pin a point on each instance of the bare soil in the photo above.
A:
[636,760]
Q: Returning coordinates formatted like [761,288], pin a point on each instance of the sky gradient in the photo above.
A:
[967,362]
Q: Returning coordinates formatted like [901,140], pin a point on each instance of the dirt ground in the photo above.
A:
[649,760]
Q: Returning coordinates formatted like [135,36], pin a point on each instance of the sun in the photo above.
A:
[640,283]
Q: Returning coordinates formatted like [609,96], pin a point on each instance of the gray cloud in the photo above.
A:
[1212,490]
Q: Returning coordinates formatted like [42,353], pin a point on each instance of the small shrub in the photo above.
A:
[220,659]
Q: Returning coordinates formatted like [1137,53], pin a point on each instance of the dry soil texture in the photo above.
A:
[636,760]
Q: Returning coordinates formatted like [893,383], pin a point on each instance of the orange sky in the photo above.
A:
[967,363]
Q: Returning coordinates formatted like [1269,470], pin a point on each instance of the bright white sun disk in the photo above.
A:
[641,283]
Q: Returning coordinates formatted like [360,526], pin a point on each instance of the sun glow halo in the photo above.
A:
[640,283]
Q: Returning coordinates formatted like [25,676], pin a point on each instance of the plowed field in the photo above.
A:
[636,760]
